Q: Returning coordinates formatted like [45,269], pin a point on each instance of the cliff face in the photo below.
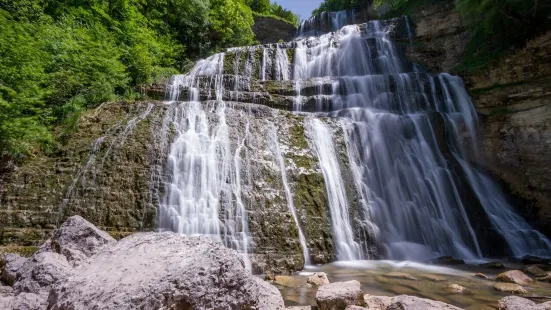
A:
[271,30]
[513,97]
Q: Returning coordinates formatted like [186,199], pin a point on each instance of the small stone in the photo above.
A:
[286,281]
[399,275]
[534,271]
[481,275]
[493,265]
[339,295]
[456,289]
[447,260]
[318,279]
[434,278]
[511,288]
[514,276]
[377,302]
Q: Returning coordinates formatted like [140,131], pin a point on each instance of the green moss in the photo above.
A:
[298,137]
[291,55]
[229,59]
[25,251]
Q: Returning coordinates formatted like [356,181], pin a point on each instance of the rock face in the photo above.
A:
[339,295]
[271,30]
[164,270]
[518,303]
[456,289]
[40,272]
[514,276]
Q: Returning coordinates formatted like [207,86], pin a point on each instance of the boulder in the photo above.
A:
[40,272]
[164,271]
[514,276]
[77,239]
[339,295]
[511,288]
[493,265]
[519,303]
[399,275]
[447,260]
[405,302]
[6,291]
[456,289]
[317,279]
[434,278]
[534,260]
[11,264]
[377,302]
[534,271]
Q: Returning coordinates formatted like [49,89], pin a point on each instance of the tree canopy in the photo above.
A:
[61,57]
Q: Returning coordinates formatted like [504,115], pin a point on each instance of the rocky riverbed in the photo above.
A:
[83,267]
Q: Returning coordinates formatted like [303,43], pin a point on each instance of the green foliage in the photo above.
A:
[61,57]
[339,5]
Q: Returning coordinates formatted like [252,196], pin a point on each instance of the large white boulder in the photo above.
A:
[164,271]
[339,295]
[519,303]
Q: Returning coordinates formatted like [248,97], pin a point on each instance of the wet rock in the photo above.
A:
[534,260]
[519,303]
[493,265]
[456,289]
[405,302]
[511,288]
[546,277]
[339,295]
[534,271]
[40,272]
[434,278]
[377,302]
[481,275]
[286,281]
[164,270]
[447,260]
[399,275]
[77,239]
[317,279]
[514,276]
[11,265]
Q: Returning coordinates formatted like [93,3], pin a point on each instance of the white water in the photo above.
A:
[322,139]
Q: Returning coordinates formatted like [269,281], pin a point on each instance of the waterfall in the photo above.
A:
[406,133]
[322,138]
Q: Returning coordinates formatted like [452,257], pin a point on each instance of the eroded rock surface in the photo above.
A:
[518,303]
[164,270]
[514,276]
[339,295]
[11,265]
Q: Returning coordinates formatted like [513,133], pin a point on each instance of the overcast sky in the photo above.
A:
[303,8]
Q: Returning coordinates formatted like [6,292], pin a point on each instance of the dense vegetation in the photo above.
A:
[61,57]
[494,25]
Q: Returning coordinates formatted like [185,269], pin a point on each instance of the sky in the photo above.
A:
[303,8]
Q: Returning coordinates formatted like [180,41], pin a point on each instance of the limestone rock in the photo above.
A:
[339,295]
[493,265]
[299,308]
[399,275]
[11,263]
[317,279]
[6,291]
[519,303]
[40,272]
[533,260]
[286,281]
[447,260]
[161,271]
[77,239]
[514,276]
[456,288]
[377,302]
[355,308]
[434,278]
[24,301]
[405,302]
[481,275]
[510,288]
[534,270]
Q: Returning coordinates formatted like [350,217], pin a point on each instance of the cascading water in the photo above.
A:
[417,197]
